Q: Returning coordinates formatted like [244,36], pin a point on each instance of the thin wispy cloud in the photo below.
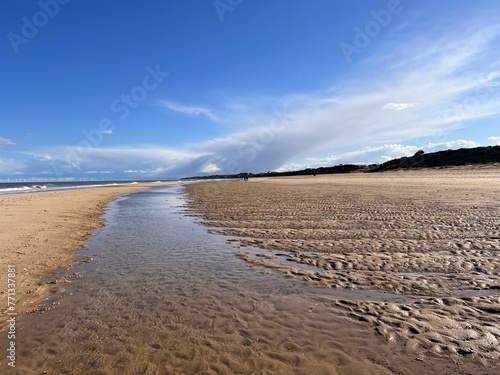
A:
[399,106]
[6,142]
[189,110]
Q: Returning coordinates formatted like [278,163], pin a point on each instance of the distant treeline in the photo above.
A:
[448,158]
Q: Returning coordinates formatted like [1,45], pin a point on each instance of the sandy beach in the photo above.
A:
[40,233]
[430,236]
[387,273]
[163,296]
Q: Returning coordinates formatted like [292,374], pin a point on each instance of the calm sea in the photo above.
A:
[26,187]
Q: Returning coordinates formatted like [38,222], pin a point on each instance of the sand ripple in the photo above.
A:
[433,236]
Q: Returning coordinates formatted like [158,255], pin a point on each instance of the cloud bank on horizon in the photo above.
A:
[414,86]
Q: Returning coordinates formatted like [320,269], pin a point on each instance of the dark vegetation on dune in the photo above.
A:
[440,159]
[448,158]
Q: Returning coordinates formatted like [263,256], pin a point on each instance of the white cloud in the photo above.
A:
[210,168]
[495,140]
[399,106]
[451,145]
[188,109]
[45,157]
[107,132]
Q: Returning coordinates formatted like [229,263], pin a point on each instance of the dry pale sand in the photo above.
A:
[39,233]
[431,237]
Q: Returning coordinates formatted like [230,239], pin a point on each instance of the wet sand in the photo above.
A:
[431,237]
[39,234]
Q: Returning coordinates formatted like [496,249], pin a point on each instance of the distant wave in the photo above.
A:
[21,188]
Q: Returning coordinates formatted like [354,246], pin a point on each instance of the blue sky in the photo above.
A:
[166,89]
